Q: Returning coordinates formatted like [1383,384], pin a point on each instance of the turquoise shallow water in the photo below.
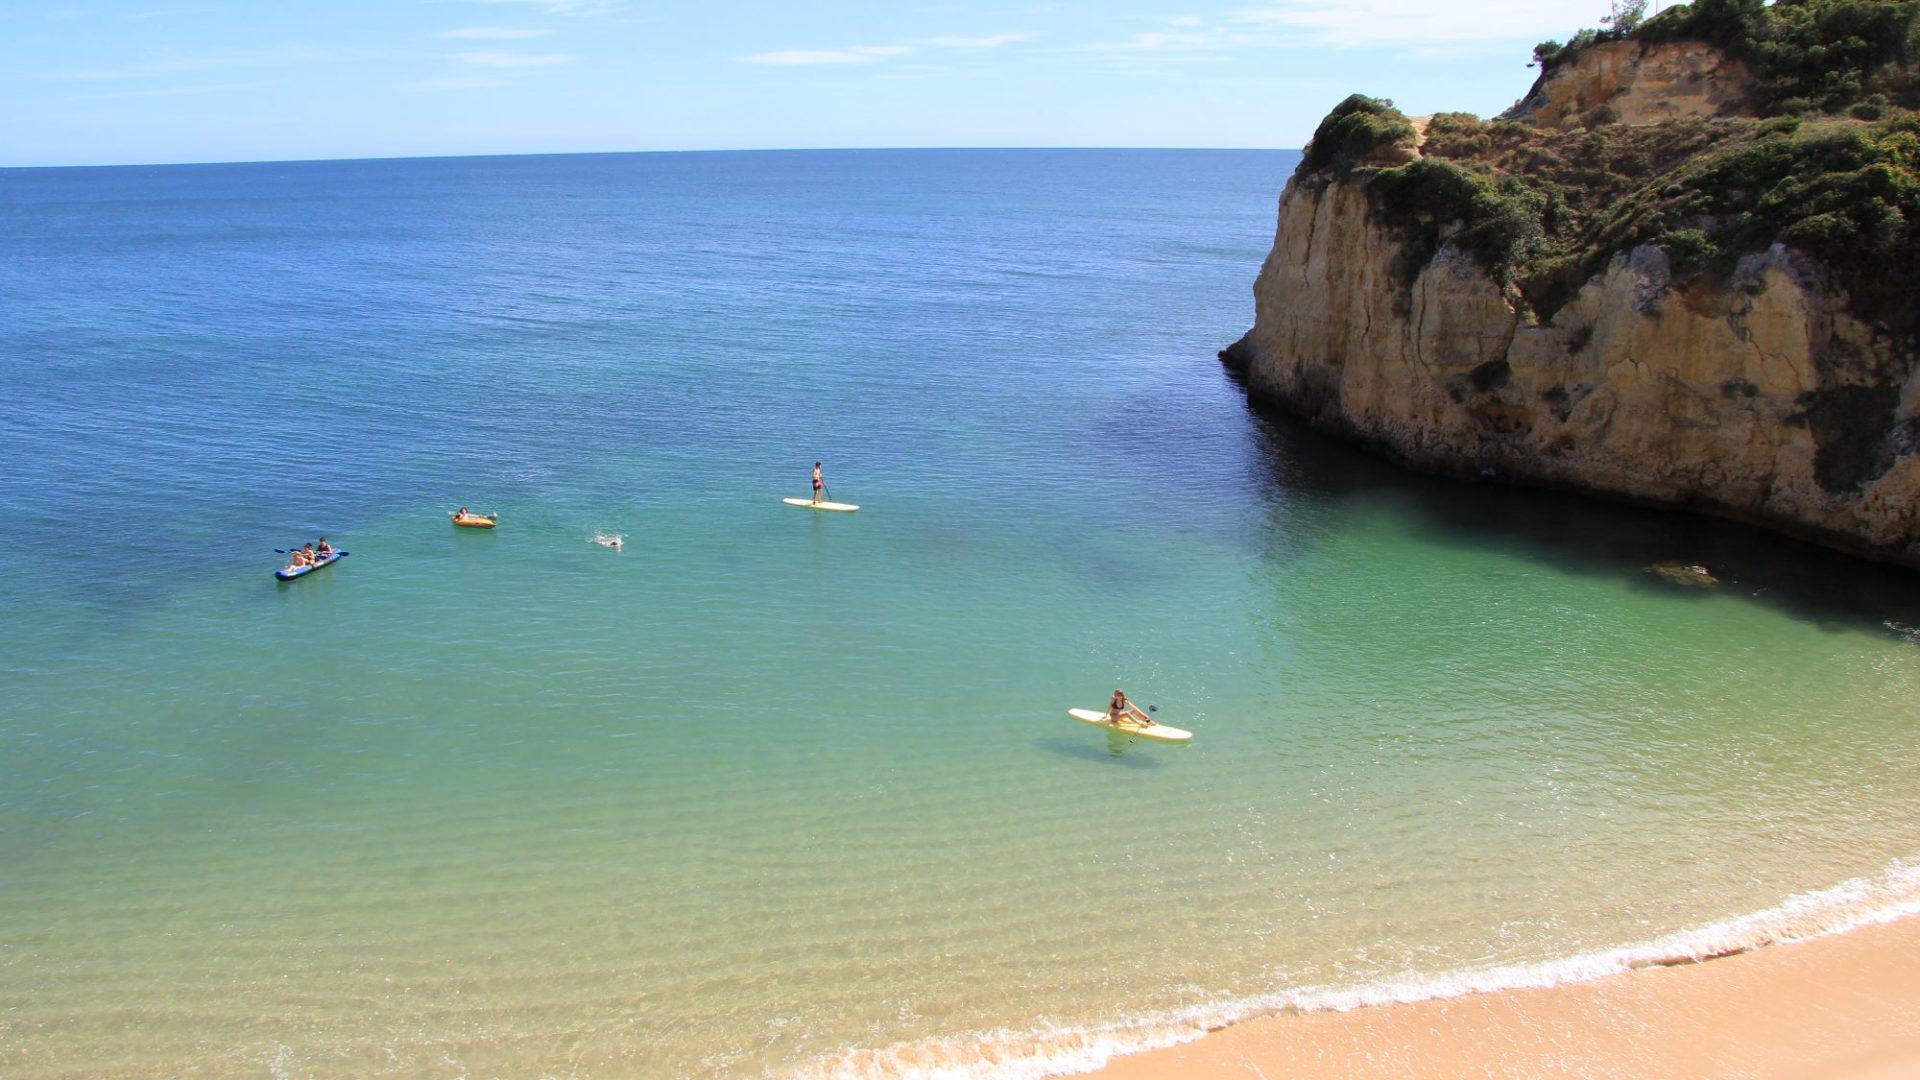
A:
[770,791]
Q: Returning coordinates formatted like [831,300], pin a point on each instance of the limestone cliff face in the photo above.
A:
[1758,397]
[1638,83]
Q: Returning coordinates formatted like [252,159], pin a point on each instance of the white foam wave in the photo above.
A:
[1005,1054]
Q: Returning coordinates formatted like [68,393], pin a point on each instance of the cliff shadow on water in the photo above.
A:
[1646,547]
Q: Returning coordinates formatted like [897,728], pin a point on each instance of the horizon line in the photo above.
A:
[614,153]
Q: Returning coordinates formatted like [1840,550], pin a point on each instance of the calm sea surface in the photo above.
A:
[771,791]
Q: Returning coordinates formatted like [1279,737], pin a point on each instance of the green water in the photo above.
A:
[774,792]
[550,808]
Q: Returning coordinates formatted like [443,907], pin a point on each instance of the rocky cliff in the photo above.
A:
[1632,285]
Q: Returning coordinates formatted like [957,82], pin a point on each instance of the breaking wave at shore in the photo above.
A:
[1043,1052]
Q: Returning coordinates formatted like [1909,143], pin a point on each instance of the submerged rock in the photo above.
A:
[1692,575]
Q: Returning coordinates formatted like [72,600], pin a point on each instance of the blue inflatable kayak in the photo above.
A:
[322,562]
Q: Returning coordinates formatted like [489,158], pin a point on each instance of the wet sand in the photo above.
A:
[1841,1006]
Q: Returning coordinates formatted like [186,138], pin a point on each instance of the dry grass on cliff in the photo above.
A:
[1545,211]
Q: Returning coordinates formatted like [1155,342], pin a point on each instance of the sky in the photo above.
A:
[133,82]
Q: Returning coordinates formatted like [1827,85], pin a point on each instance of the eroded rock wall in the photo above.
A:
[1637,83]
[1758,398]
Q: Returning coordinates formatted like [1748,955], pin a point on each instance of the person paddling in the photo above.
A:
[1122,711]
[323,549]
[819,485]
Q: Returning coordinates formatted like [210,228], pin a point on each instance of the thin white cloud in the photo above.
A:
[192,65]
[468,83]
[856,54]
[561,7]
[987,41]
[187,91]
[492,33]
[1421,22]
[512,60]
[1168,40]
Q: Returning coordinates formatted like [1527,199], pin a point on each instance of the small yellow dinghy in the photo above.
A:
[474,521]
[1137,725]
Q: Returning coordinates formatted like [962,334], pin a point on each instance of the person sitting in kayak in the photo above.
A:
[817,482]
[461,513]
[312,557]
[323,548]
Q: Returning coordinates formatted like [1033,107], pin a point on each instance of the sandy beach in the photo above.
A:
[1844,1005]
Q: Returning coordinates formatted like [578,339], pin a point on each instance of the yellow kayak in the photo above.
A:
[1149,730]
[473,521]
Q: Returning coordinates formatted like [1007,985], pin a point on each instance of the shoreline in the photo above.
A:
[1841,1004]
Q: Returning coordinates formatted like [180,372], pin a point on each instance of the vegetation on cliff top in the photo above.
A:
[1356,129]
[1543,211]
[1805,55]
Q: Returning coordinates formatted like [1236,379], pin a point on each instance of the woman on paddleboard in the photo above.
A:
[1122,711]
[817,482]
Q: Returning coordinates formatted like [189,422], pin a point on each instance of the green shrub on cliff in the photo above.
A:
[1355,128]
[1493,217]
[1690,251]
[1845,192]
[1838,189]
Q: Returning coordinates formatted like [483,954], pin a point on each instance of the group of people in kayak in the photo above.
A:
[310,555]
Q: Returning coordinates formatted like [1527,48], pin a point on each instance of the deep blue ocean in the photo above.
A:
[769,791]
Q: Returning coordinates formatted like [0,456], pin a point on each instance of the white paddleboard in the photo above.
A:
[1150,730]
[820,505]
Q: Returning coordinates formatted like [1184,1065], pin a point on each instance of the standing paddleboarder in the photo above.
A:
[818,484]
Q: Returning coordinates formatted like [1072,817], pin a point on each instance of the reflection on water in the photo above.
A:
[1118,751]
